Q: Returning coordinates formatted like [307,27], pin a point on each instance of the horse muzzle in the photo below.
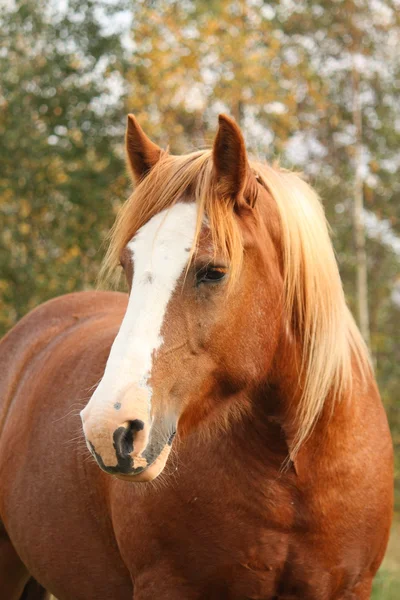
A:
[136,449]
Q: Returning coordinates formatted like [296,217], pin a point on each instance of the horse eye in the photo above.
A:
[210,274]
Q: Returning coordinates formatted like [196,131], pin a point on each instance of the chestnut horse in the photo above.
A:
[233,381]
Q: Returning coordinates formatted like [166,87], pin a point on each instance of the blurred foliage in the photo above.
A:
[60,155]
[71,71]
[386,586]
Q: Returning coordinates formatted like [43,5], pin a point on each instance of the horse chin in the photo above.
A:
[150,472]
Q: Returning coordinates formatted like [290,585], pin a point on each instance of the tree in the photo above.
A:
[61,164]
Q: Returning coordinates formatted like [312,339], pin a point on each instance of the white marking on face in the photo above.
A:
[160,254]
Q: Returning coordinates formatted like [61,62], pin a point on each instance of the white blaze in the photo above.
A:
[160,254]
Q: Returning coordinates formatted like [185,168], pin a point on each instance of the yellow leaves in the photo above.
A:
[74,251]
[75,64]
[350,151]
[62,177]
[76,135]
[334,120]
[274,43]
[71,254]
[25,209]
[7,238]
[41,61]
[55,170]
[24,228]
[374,166]
[6,196]
[52,285]
[98,164]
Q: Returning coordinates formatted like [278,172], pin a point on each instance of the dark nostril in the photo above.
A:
[123,437]
[123,441]
[136,425]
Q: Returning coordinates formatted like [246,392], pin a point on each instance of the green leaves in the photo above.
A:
[61,169]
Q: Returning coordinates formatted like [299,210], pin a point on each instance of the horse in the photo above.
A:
[215,434]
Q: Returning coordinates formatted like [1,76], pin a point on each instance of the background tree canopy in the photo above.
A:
[294,75]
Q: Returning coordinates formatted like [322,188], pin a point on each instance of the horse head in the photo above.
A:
[234,288]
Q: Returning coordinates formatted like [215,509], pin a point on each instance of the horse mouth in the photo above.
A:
[150,472]
[136,468]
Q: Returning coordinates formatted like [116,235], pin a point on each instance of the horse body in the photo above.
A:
[206,532]
[54,372]
[225,514]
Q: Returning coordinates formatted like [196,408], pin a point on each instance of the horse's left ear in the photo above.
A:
[232,170]
[142,154]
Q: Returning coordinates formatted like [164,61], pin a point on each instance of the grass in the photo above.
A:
[387,581]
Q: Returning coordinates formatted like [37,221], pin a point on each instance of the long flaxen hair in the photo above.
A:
[314,297]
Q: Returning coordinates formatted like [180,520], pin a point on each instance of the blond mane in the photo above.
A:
[314,297]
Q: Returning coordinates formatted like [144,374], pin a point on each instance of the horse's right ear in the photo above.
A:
[236,181]
[142,154]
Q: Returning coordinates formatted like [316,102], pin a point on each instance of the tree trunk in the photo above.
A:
[358,216]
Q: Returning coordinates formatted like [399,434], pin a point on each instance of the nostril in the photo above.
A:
[123,441]
[123,436]
[136,425]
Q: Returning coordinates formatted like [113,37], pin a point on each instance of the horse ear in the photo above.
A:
[230,161]
[142,154]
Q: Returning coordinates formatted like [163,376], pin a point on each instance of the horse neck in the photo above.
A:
[244,449]
[333,432]
[259,424]
[283,392]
